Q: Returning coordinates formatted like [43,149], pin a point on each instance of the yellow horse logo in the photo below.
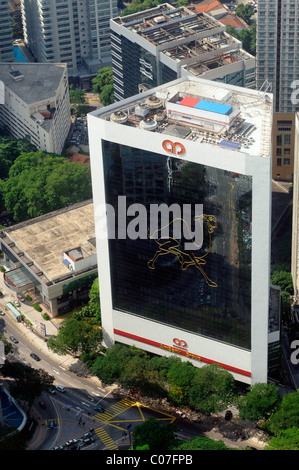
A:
[168,245]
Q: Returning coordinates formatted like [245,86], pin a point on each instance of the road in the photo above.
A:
[67,416]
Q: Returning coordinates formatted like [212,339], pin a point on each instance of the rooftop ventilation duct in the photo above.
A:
[119,117]
[148,124]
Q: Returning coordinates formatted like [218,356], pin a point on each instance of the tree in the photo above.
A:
[259,402]
[180,376]
[77,336]
[212,389]
[40,182]
[283,278]
[287,439]
[10,149]
[287,414]
[108,367]
[29,383]
[77,98]
[138,377]
[157,436]
[94,300]
[103,85]
[245,12]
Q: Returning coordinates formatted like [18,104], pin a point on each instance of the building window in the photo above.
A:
[286,161]
[287,140]
[279,140]
[279,162]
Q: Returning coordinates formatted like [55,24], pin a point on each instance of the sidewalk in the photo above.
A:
[40,330]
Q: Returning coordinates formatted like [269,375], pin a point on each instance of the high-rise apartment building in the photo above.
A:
[155,46]
[278,63]
[75,32]
[36,103]
[6,39]
[195,153]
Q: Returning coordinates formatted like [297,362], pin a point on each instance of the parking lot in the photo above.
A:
[80,134]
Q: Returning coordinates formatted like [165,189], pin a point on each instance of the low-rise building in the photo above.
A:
[36,103]
[52,257]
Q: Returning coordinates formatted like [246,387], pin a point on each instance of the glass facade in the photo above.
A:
[206,290]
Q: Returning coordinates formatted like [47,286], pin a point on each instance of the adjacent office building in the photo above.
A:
[36,103]
[6,39]
[155,46]
[70,31]
[278,64]
[52,257]
[188,144]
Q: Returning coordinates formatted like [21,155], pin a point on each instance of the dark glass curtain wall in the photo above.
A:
[206,291]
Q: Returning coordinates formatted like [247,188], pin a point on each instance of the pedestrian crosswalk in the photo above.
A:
[115,410]
[106,439]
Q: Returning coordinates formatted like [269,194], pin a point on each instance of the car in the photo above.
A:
[60,388]
[42,404]
[21,298]
[181,414]
[51,390]
[51,424]
[35,356]
[88,441]
[99,408]
[13,339]
[2,313]
[17,304]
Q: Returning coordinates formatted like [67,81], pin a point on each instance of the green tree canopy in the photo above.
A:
[77,336]
[29,383]
[212,389]
[261,400]
[39,183]
[287,414]
[157,436]
[139,377]
[103,85]
[10,149]
[245,12]
[287,439]
[109,367]
[180,377]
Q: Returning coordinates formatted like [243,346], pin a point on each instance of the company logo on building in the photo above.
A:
[176,148]
[180,343]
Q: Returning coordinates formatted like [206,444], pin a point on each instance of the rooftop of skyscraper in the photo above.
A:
[201,111]
[183,34]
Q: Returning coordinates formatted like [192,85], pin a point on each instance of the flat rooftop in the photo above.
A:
[200,110]
[166,23]
[32,82]
[41,242]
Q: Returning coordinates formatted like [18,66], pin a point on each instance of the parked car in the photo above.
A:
[21,298]
[35,357]
[42,404]
[181,414]
[13,339]
[60,388]
[99,408]
[2,313]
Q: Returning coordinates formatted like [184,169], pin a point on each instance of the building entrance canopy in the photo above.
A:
[18,278]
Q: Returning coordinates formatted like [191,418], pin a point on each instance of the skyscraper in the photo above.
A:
[155,46]
[6,40]
[69,31]
[278,63]
[188,144]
